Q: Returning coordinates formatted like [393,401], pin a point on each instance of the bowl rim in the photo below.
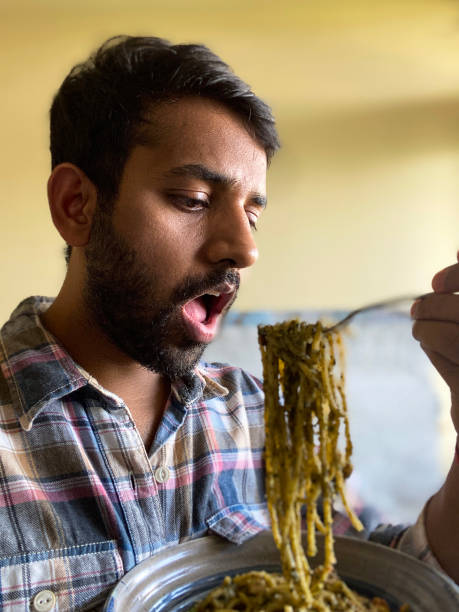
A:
[172,569]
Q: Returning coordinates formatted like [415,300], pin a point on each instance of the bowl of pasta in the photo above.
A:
[178,578]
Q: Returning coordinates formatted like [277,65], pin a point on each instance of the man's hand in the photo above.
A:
[436,327]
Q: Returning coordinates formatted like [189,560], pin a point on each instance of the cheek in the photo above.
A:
[173,245]
[170,251]
[166,240]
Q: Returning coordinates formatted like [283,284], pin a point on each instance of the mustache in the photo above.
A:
[194,286]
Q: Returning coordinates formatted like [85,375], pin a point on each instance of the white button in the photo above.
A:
[44,601]
[162,474]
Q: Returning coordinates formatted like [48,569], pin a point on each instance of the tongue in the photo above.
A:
[196,310]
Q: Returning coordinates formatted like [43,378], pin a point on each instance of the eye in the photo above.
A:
[187,202]
[253,219]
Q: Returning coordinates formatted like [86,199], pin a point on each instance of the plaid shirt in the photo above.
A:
[81,501]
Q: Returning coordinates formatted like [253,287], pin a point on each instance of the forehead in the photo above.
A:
[200,131]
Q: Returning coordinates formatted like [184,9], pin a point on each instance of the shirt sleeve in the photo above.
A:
[411,540]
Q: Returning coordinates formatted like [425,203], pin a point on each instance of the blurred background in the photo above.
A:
[363,197]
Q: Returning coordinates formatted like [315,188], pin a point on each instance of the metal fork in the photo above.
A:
[374,306]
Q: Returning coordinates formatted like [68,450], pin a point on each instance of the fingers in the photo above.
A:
[437,307]
[440,337]
[436,327]
[450,373]
[447,280]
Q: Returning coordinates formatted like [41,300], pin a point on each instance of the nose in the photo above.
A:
[230,238]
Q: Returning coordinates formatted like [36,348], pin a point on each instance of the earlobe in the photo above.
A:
[72,200]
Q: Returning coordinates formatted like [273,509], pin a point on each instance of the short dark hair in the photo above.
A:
[97,114]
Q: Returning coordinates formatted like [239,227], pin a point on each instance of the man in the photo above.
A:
[115,439]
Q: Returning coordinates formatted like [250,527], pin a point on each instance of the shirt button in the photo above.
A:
[44,601]
[162,474]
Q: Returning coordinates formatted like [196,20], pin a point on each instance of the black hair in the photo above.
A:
[97,114]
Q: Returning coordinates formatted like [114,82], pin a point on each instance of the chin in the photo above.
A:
[172,362]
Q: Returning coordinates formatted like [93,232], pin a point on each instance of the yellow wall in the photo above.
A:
[363,198]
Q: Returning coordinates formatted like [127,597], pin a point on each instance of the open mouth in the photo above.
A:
[202,313]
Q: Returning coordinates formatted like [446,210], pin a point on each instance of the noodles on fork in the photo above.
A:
[308,457]
[305,411]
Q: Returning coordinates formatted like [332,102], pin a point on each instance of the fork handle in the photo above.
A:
[374,306]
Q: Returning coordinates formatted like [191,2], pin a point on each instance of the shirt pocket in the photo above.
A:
[239,522]
[65,579]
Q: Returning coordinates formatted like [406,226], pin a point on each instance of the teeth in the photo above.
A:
[222,290]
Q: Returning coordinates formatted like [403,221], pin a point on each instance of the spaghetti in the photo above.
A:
[306,466]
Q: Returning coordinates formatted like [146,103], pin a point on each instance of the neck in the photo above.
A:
[144,392]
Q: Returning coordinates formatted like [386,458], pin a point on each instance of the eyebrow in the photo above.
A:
[211,176]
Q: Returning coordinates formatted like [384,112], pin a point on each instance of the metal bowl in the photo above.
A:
[176,577]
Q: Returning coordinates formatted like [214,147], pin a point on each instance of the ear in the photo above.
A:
[72,200]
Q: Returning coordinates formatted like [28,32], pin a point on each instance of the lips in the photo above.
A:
[202,314]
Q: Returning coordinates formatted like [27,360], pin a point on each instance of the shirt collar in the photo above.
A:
[38,370]
[197,385]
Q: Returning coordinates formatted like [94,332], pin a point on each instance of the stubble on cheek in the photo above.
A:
[133,306]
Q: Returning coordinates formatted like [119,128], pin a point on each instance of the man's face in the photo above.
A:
[163,268]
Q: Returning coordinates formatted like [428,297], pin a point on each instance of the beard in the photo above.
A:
[122,296]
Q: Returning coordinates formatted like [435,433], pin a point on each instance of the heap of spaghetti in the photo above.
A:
[305,417]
